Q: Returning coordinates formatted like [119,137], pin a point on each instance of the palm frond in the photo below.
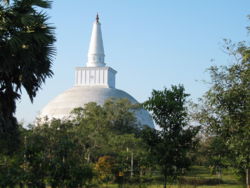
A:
[5,1]
[42,3]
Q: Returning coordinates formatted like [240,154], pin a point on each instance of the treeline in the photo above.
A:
[97,142]
[105,144]
[224,113]
[101,144]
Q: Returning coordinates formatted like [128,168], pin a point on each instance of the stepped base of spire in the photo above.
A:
[95,76]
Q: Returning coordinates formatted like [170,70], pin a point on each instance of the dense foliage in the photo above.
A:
[26,52]
[225,110]
[99,141]
[170,144]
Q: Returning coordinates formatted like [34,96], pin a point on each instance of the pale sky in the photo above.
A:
[151,43]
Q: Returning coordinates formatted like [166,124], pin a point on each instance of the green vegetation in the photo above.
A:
[26,53]
[99,144]
[91,150]
[197,176]
[170,145]
[104,146]
[173,186]
[225,112]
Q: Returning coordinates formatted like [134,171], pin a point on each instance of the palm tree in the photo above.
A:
[26,54]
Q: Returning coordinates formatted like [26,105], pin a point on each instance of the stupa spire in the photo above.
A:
[96,51]
[97,18]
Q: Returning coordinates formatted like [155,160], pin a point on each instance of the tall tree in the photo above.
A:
[98,124]
[26,53]
[226,106]
[54,155]
[175,138]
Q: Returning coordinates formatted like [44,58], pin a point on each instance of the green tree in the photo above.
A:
[212,152]
[175,138]
[12,166]
[120,116]
[130,152]
[91,125]
[11,170]
[226,106]
[111,130]
[97,125]
[35,160]
[26,52]
[54,153]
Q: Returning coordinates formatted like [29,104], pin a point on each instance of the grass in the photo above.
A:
[172,186]
[201,172]
[197,177]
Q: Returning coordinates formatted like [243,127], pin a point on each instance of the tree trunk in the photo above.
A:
[165,181]
[248,178]
[219,174]
[21,185]
[88,157]
[132,165]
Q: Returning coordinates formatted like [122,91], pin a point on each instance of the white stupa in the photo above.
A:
[93,83]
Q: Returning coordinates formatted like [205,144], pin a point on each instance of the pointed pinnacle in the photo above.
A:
[97,18]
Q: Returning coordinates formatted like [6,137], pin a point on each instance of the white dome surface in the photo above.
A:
[78,96]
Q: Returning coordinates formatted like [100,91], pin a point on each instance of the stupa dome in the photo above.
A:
[78,96]
[93,83]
